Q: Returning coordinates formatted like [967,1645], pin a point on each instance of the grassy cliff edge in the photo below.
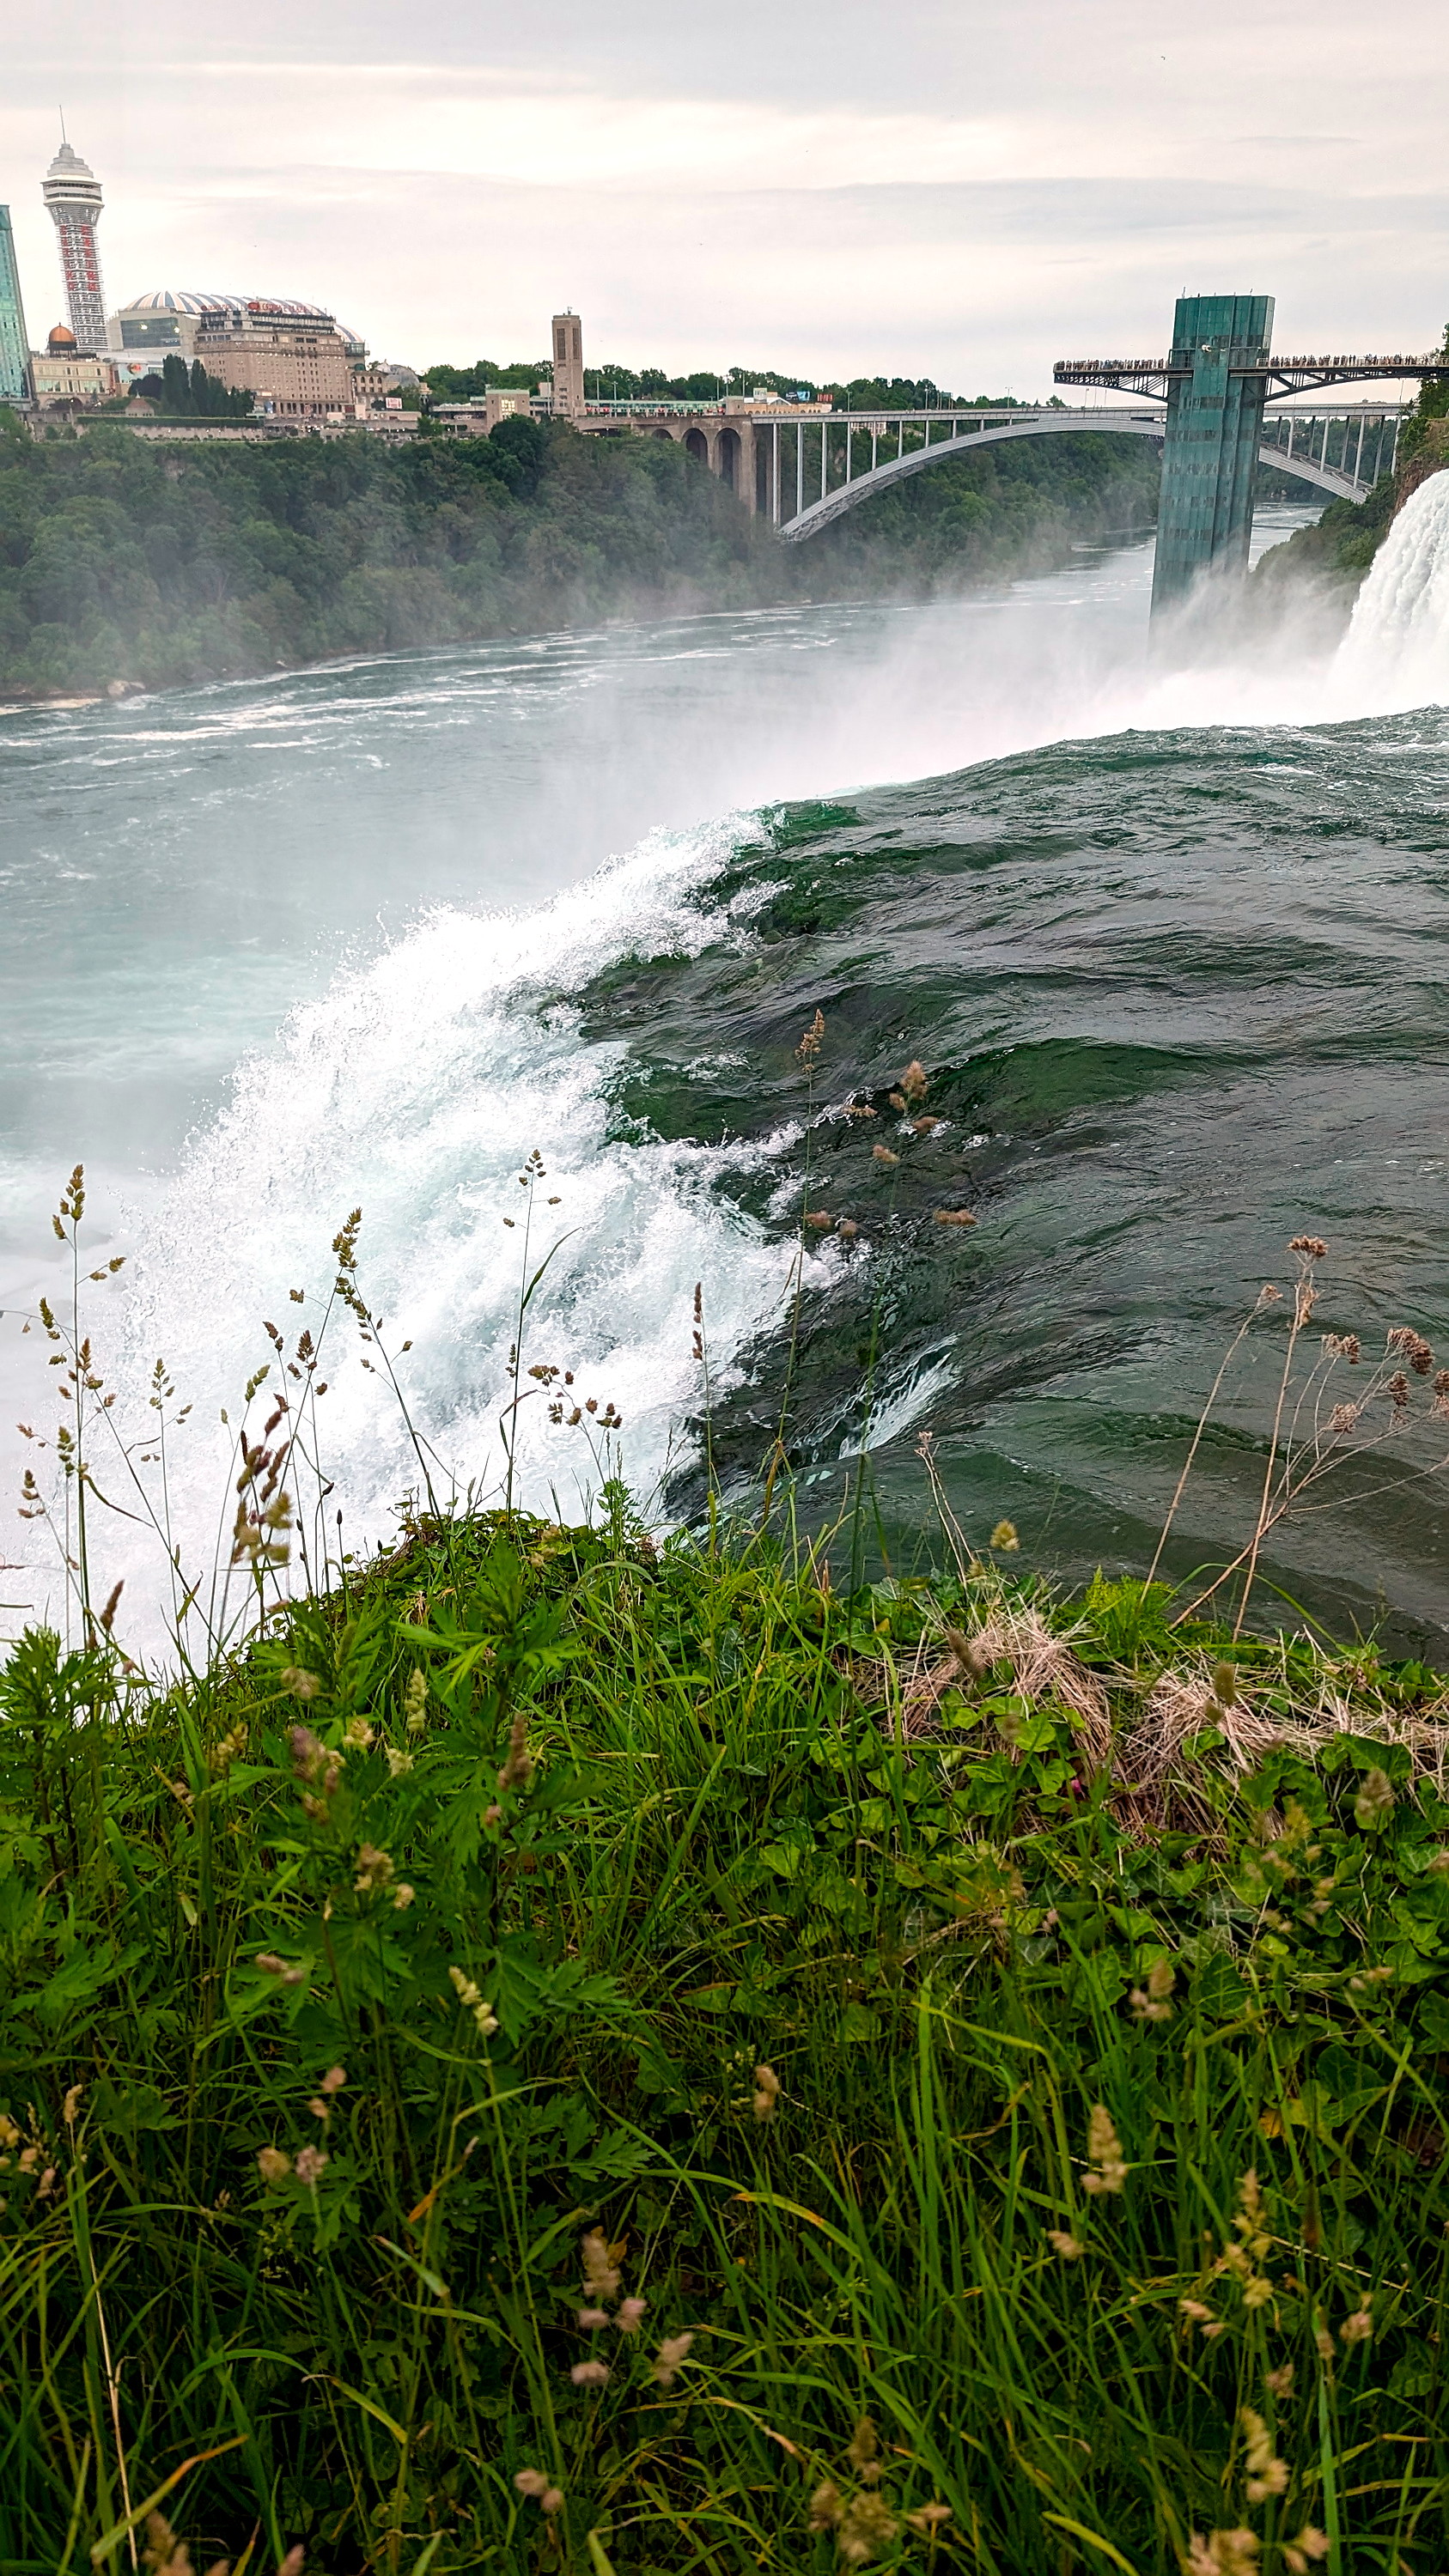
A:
[573,2055]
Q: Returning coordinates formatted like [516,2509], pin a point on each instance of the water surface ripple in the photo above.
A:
[1170,945]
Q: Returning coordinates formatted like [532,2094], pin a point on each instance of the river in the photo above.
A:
[1167,935]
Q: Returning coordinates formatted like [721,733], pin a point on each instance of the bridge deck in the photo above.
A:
[950,433]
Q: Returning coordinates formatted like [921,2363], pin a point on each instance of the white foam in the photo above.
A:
[418,1083]
[1396,651]
[416,1087]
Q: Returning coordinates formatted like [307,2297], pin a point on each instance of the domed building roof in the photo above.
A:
[195,300]
[61,339]
[184,299]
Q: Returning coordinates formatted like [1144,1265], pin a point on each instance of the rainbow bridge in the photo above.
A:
[1217,406]
[1343,451]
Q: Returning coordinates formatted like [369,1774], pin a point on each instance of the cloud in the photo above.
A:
[966,190]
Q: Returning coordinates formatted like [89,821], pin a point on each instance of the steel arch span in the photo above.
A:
[1045,424]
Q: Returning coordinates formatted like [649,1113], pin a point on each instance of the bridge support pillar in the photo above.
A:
[1214,426]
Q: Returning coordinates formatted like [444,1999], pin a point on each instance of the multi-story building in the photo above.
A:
[481,413]
[380,379]
[290,357]
[72,194]
[15,383]
[165,321]
[62,373]
[568,366]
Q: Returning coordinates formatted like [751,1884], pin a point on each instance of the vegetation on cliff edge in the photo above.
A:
[569,2056]
[127,563]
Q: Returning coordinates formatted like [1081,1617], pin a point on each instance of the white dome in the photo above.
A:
[191,299]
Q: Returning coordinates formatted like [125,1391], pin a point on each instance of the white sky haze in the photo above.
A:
[962,191]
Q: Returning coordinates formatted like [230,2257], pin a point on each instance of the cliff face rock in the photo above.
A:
[1427,444]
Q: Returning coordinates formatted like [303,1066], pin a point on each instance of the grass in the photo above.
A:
[913,1995]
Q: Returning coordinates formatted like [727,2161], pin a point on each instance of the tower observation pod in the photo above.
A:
[1214,390]
[73,200]
[1217,385]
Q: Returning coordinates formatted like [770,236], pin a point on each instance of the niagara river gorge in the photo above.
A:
[1166,936]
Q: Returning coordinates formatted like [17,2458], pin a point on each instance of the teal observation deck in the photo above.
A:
[1215,386]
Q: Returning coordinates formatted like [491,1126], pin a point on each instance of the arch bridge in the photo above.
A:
[811,475]
[1216,405]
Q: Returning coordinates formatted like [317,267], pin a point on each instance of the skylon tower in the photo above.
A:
[72,194]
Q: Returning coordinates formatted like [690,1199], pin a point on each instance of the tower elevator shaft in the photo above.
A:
[1219,362]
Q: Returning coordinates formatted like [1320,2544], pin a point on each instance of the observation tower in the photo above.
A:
[73,198]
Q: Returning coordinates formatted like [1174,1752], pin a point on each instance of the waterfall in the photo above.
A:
[1396,651]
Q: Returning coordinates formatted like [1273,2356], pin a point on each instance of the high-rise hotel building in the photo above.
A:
[14,341]
[72,194]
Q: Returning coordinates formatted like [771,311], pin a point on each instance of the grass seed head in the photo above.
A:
[1107,2170]
[533,2484]
[374,1870]
[164,2554]
[864,2451]
[601,2271]
[517,1769]
[766,2093]
[1223,2553]
[1310,2545]
[673,2350]
[869,2528]
[1375,1801]
[1152,2002]
[590,2374]
[1267,2475]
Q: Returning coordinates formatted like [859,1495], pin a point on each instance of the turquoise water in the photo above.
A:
[1168,938]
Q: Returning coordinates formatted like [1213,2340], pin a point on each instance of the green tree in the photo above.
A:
[176,395]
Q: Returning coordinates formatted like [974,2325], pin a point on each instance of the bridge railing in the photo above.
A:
[809,460]
[811,471]
[1359,440]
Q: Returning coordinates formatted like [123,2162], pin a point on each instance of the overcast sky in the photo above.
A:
[960,188]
